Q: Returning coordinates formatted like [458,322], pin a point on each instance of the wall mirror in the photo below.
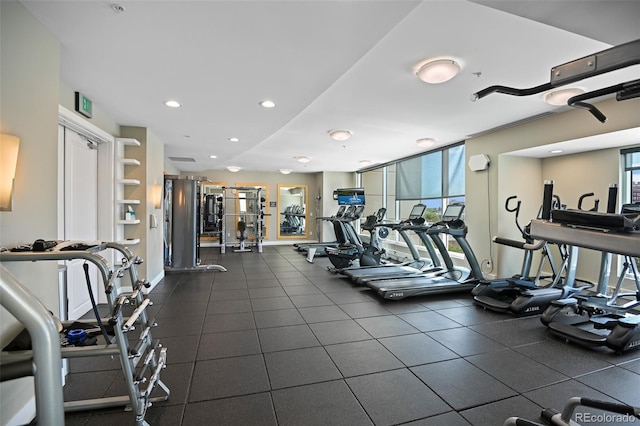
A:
[211,210]
[292,206]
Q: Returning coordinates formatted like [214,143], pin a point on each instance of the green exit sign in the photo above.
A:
[84,105]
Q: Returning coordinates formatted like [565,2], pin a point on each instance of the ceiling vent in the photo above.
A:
[183,159]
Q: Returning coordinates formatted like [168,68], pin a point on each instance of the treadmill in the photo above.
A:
[417,266]
[450,279]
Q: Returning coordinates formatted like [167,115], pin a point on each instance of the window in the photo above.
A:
[435,179]
[631,179]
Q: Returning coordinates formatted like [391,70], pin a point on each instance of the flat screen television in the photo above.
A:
[351,196]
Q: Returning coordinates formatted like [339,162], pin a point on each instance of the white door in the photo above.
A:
[80,217]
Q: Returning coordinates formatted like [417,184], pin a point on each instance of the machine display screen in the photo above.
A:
[351,196]
[453,212]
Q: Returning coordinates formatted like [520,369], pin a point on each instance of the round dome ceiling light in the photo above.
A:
[303,159]
[438,71]
[234,169]
[340,134]
[234,140]
[285,171]
[365,163]
[425,142]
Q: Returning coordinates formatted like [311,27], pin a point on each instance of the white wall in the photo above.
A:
[29,80]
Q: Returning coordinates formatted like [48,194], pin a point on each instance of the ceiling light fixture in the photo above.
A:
[303,158]
[285,171]
[365,163]
[438,71]
[173,104]
[425,142]
[233,169]
[555,151]
[234,140]
[213,156]
[267,104]
[560,97]
[340,134]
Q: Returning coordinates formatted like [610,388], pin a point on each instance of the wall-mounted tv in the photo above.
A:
[350,196]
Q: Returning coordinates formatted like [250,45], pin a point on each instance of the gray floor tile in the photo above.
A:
[271,304]
[278,318]
[228,322]
[615,382]
[285,338]
[220,378]
[300,367]
[329,333]
[357,358]
[465,342]
[229,294]
[508,367]
[364,309]
[228,307]
[241,410]
[497,412]
[305,301]
[514,332]
[568,359]
[429,321]
[321,404]
[262,292]
[451,418]
[386,326]
[323,314]
[416,349]
[471,315]
[396,396]
[228,344]
[461,384]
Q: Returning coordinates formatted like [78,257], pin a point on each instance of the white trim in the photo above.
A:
[81,126]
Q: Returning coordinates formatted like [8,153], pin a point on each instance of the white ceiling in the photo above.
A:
[327,64]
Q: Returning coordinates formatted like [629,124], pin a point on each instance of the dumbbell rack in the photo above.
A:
[141,360]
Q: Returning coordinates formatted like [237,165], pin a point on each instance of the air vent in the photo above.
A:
[183,159]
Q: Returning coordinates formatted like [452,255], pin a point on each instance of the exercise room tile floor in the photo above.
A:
[279,341]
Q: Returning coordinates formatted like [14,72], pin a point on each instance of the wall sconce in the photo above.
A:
[156,195]
[9,146]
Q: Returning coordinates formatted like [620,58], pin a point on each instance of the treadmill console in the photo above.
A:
[452,212]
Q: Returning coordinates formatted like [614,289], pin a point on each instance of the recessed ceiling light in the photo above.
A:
[365,163]
[560,97]
[436,71]
[303,158]
[213,156]
[233,169]
[555,151]
[267,104]
[234,140]
[340,134]
[285,171]
[425,142]
[173,104]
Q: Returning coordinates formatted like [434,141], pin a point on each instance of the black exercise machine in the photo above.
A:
[601,319]
[523,297]
[451,279]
